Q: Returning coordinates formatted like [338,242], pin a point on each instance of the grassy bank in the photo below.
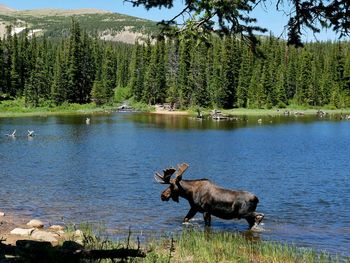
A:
[198,246]
[206,246]
[271,112]
[17,108]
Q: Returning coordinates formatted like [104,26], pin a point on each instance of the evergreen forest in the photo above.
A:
[220,72]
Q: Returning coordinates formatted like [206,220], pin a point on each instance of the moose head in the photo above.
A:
[174,189]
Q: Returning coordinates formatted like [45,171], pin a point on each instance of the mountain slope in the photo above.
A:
[55,23]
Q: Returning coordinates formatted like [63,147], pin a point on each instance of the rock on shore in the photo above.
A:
[22,231]
[35,223]
[44,236]
[13,229]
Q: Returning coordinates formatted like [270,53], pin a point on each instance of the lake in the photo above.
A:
[71,172]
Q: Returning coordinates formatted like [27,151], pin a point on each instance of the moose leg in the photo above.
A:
[207,218]
[190,214]
[251,220]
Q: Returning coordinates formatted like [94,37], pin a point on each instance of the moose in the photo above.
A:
[207,198]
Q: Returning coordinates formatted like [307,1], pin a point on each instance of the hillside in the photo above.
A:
[54,23]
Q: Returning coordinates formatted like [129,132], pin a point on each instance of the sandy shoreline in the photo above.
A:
[8,222]
[21,223]
[166,112]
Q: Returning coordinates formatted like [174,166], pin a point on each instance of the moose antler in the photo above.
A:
[168,172]
[180,170]
[165,178]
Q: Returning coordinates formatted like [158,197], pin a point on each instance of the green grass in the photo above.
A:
[201,246]
[17,108]
[270,112]
[198,246]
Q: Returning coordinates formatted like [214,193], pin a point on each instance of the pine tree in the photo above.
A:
[303,78]
[45,55]
[215,88]
[291,72]
[74,67]
[279,89]
[108,75]
[24,61]
[154,81]
[255,90]
[226,93]
[346,77]
[2,69]
[88,68]
[184,67]
[37,83]
[197,76]
[123,67]
[59,84]
[7,63]
[98,93]
[245,74]
[172,71]
[326,82]
[160,71]
[15,66]
[136,72]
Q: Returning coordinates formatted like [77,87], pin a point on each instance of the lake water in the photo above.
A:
[103,172]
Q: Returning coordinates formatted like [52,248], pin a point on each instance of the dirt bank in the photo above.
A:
[7,224]
[163,110]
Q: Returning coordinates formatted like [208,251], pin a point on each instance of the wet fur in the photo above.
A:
[207,198]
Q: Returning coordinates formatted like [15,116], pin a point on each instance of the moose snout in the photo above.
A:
[166,194]
[164,197]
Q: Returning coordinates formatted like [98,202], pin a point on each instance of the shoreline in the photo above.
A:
[8,222]
[14,227]
[160,111]
[189,244]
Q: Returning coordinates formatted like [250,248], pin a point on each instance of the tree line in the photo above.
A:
[220,72]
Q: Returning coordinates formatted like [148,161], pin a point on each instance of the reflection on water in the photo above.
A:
[103,172]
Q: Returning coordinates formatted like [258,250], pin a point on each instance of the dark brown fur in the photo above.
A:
[207,198]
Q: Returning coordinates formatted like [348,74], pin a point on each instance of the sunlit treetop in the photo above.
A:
[234,17]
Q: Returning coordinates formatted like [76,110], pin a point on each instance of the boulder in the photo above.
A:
[78,233]
[22,231]
[35,223]
[44,236]
[60,232]
[56,228]
[2,214]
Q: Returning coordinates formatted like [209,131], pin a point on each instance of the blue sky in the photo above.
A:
[267,17]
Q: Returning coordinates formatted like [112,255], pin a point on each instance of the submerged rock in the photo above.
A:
[35,223]
[22,231]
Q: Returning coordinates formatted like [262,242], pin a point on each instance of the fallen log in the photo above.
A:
[70,251]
